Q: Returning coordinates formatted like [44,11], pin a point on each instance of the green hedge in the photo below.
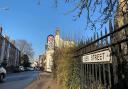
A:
[66,69]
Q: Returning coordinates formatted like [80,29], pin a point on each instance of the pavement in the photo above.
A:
[18,80]
[44,81]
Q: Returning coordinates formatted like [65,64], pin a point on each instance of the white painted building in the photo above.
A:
[49,60]
[54,41]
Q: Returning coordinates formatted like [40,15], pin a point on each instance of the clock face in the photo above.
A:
[50,42]
[50,39]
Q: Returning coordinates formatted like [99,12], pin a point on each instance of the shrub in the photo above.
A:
[66,68]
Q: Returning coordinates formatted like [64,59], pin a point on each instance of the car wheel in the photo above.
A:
[1,77]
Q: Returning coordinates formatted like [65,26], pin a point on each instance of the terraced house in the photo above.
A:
[9,54]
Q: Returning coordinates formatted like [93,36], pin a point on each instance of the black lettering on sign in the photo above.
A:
[103,55]
[92,57]
[98,57]
[86,58]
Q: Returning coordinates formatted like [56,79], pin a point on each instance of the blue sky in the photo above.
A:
[27,20]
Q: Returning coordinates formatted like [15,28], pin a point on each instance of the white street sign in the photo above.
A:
[98,56]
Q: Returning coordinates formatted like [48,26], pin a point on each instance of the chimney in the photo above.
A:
[1,29]
[13,42]
[57,31]
[6,37]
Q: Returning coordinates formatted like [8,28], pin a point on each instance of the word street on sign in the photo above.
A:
[98,56]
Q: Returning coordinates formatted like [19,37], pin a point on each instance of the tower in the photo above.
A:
[58,31]
[57,37]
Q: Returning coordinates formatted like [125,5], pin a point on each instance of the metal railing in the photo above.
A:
[106,74]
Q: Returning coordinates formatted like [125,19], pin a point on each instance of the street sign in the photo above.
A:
[97,56]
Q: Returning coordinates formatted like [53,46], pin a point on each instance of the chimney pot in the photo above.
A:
[6,37]
[1,29]
[13,42]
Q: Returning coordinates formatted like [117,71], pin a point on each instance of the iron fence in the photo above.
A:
[105,74]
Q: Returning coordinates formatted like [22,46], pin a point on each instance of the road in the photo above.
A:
[18,80]
[44,81]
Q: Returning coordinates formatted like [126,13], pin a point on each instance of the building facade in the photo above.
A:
[52,42]
[8,52]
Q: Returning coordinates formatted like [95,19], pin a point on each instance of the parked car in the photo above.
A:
[16,69]
[36,68]
[21,68]
[29,69]
[2,73]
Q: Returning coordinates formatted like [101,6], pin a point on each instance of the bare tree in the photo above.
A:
[98,12]
[25,48]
